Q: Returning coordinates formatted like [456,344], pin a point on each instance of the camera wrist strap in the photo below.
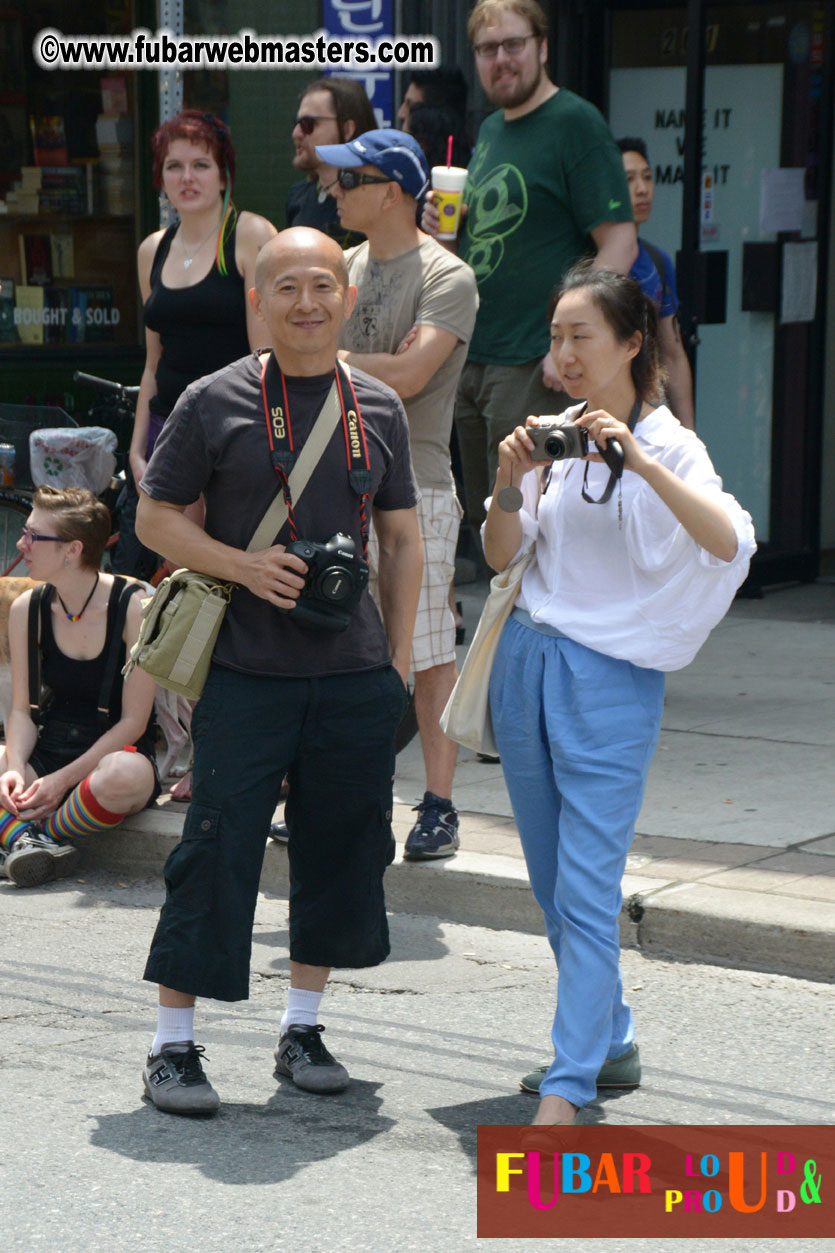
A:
[284,454]
[613,478]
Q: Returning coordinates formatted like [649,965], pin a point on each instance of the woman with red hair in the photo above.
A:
[194,276]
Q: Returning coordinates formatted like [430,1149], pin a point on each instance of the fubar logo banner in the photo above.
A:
[678,1182]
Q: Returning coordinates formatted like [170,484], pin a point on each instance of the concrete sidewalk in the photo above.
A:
[734,857]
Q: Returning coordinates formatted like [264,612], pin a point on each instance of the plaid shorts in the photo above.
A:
[439,516]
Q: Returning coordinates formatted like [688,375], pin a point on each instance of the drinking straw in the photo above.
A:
[449,152]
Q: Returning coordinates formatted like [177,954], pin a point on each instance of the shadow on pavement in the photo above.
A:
[514,1110]
[249,1144]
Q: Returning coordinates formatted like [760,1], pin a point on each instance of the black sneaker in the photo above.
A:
[302,1056]
[36,858]
[174,1080]
[435,834]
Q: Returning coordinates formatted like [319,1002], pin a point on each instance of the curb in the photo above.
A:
[693,921]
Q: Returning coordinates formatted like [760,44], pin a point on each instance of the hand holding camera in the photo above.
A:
[336,578]
[554,439]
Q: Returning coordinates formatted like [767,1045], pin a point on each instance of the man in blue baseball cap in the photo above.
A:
[413,318]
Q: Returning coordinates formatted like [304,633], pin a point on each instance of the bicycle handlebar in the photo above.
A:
[106,385]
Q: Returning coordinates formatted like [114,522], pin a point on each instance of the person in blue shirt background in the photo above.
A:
[655,272]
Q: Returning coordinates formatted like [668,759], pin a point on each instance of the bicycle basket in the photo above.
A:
[16,424]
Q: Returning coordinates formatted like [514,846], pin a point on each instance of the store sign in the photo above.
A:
[370,20]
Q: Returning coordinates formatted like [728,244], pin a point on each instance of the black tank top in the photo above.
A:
[202,328]
[74,684]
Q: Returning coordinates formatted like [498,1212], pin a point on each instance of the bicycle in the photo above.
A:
[114,410]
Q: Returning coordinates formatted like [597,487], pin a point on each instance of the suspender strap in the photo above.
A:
[124,591]
[35,653]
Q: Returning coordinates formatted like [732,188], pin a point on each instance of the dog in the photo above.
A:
[173,712]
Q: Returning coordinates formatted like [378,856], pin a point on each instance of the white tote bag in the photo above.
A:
[466,718]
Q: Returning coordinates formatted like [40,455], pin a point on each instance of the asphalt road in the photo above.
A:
[435,1041]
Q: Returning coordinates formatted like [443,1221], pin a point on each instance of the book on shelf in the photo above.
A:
[35,259]
[8,329]
[57,315]
[114,94]
[49,140]
[114,128]
[29,303]
[64,189]
[93,317]
[63,255]
[30,178]
[23,202]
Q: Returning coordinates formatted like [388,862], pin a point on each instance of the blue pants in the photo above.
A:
[576,731]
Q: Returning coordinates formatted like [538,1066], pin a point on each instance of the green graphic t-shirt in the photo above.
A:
[537,186]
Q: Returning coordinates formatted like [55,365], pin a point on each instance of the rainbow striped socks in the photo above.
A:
[80,814]
[10,829]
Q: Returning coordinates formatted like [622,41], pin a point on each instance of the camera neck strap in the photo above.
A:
[613,478]
[284,454]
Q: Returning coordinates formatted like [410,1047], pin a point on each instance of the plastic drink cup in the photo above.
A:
[448,184]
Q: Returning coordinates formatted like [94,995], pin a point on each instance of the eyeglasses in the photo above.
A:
[349,179]
[489,51]
[307,123]
[32,537]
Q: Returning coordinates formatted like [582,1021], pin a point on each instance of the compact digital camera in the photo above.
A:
[335,580]
[557,440]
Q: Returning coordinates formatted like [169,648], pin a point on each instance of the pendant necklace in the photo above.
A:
[187,260]
[74,617]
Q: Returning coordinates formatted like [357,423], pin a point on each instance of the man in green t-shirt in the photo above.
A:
[546,187]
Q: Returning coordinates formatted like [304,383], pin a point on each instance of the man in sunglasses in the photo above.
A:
[331,111]
[546,187]
[414,314]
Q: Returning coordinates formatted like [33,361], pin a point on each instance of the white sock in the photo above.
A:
[173,1026]
[302,1009]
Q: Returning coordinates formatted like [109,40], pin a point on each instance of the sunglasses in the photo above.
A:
[349,179]
[307,123]
[32,537]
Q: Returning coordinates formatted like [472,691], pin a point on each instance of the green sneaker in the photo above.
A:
[619,1072]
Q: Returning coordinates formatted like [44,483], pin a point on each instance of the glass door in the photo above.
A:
[758,212]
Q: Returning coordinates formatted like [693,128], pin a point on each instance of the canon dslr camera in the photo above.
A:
[335,580]
[557,440]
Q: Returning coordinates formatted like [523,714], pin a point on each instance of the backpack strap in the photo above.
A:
[656,256]
[123,591]
[36,601]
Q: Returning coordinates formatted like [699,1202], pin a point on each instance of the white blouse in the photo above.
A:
[646,591]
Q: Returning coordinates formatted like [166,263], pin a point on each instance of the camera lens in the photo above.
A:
[556,446]
[336,584]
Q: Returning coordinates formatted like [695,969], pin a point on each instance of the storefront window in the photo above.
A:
[67,187]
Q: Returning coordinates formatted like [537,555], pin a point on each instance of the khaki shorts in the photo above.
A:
[439,516]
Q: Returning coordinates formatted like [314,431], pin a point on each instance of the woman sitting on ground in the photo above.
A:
[79,753]
[627,580]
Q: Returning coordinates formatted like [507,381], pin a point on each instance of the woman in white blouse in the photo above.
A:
[624,585]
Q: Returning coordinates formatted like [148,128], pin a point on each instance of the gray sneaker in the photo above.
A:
[302,1057]
[36,858]
[174,1080]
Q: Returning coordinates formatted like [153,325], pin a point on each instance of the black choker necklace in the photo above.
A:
[73,617]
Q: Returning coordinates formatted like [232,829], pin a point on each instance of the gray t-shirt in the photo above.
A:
[426,286]
[215,442]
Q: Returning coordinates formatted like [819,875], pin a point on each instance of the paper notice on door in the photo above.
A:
[781,200]
[799,282]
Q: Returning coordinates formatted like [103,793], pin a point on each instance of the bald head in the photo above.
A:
[299,246]
[303,293]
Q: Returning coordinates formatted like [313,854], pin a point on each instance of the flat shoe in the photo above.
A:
[618,1072]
